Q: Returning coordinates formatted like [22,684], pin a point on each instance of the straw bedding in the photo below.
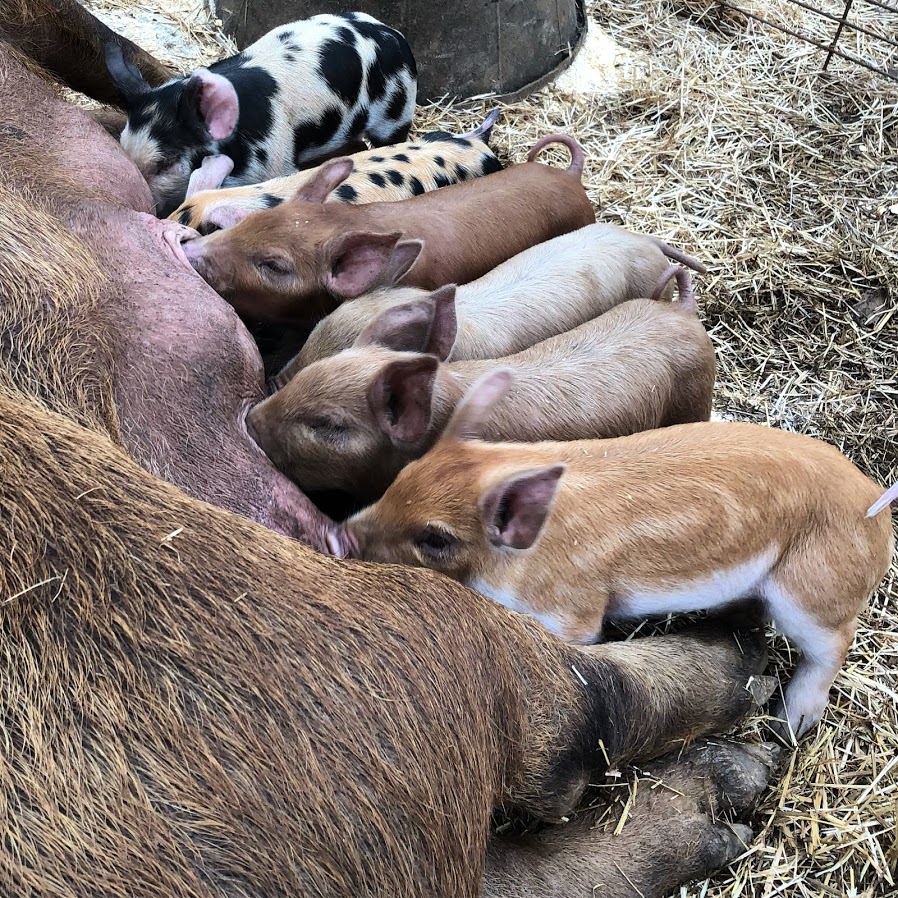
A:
[723,137]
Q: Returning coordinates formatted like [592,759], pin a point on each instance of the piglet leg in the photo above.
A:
[673,832]
[630,701]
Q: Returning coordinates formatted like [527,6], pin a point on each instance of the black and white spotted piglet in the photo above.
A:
[385,174]
[302,92]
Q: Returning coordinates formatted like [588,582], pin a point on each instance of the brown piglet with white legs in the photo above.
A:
[350,422]
[298,261]
[543,291]
[674,520]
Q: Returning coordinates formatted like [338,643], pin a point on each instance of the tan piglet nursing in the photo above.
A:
[674,520]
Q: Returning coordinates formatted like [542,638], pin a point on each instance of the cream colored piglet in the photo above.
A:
[546,290]
[681,519]
[351,421]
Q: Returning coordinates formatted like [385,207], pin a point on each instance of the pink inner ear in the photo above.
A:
[444,328]
[218,104]
[515,511]
[403,328]
[359,263]
[324,181]
[401,398]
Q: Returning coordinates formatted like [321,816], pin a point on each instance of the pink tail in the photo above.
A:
[483,132]
[679,256]
[578,160]
[684,287]
[889,497]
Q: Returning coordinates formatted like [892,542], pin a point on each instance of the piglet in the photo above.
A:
[352,421]
[295,263]
[676,520]
[384,174]
[543,291]
[301,92]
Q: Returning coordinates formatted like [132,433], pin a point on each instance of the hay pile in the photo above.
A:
[722,137]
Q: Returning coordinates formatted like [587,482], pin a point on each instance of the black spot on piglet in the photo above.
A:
[395,178]
[376,179]
[316,133]
[341,67]
[397,104]
[461,173]
[417,187]
[377,82]
[441,181]
[185,214]
[347,192]
[440,161]
[401,157]
[358,123]
[491,164]
[434,136]
[284,36]
[271,200]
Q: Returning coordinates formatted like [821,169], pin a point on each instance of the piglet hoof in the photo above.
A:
[726,842]
[740,773]
[708,845]
[781,729]
[761,688]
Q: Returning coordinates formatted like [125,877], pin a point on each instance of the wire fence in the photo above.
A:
[863,32]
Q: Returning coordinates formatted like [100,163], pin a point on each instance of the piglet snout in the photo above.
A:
[193,250]
[197,257]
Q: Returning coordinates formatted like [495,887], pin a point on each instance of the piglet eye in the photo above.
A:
[326,428]
[274,265]
[434,542]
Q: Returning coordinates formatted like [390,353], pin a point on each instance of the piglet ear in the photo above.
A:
[477,405]
[125,75]
[444,326]
[216,102]
[210,174]
[404,256]
[402,328]
[401,398]
[325,180]
[424,325]
[357,262]
[515,511]
[224,215]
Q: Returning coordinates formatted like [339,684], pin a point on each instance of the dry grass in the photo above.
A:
[725,138]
